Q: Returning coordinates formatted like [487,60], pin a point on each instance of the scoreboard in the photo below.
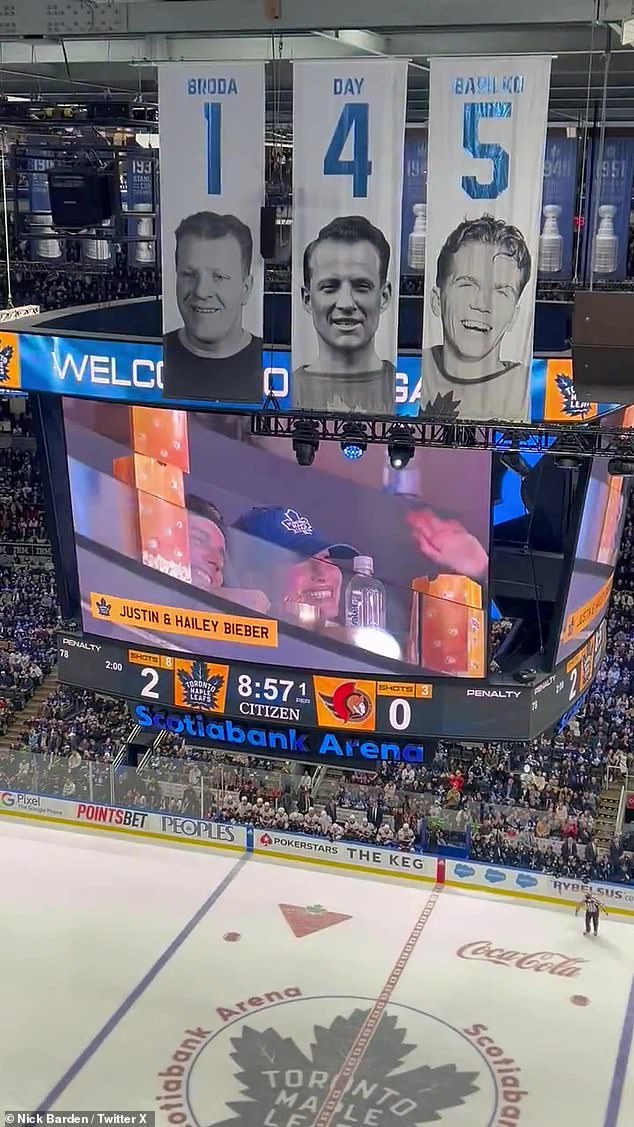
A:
[414,708]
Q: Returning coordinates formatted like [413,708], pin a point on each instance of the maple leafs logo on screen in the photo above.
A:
[571,405]
[6,355]
[398,1099]
[201,686]
[443,406]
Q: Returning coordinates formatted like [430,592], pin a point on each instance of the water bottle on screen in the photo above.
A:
[365,597]
[551,244]
[417,239]
[606,242]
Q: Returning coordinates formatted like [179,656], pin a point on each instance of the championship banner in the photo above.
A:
[140,201]
[212,190]
[487,131]
[558,209]
[348,130]
[608,217]
[414,210]
[43,248]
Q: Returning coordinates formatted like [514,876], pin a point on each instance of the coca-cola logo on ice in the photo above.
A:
[543,962]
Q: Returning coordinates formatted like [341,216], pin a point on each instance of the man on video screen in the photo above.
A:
[212,357]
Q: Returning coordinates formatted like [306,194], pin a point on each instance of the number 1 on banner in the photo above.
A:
[354,118]
[474,113]
[212,147]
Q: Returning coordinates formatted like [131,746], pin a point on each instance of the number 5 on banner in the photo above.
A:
[474,113]
[354,118]
[213,120]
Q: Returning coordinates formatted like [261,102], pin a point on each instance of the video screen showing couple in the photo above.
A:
[362,568]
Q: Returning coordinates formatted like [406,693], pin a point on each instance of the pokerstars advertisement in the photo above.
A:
[193,534]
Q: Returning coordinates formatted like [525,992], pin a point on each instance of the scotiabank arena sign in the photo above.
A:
[279,742]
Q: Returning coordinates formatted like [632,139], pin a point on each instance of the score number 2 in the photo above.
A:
[474,113]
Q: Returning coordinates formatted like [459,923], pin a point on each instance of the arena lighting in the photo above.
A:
[353,441]
[567,461]
[621,467]
[305,442]
[401,449]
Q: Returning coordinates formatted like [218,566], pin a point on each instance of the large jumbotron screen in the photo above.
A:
[194,535]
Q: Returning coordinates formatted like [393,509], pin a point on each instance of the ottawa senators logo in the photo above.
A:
[348,702]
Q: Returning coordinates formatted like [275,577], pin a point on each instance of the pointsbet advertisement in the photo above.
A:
[195,535]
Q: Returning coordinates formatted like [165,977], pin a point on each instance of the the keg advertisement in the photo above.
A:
[349,123]
[487,133]
[212,190]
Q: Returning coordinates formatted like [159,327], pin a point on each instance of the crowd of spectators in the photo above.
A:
[531,805]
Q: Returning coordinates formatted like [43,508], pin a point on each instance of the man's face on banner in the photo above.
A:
[478,300]
[346,297]
[317,582]
[207,550]
[211,289]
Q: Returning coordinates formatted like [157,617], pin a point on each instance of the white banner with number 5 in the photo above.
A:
[348,136]
[487,135]
[211,122]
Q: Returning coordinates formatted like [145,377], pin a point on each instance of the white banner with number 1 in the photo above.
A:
[211,122]
[487,135]
[348,136]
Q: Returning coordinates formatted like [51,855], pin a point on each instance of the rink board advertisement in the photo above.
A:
[224,545]
[348,129]
[212,190]
[487,127]
[352,855]
[132,372]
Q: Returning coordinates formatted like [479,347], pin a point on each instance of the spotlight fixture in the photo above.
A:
[621,467]
[305,442]
[567,461]
[353,442]
[400,449]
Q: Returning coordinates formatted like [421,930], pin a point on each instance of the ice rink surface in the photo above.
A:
[217,991]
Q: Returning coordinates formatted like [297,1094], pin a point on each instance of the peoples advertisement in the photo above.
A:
[195,535]
[597,549]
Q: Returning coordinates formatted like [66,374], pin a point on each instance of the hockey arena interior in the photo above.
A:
[317,562]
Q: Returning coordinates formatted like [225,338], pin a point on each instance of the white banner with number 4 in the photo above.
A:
[487,135]
[348,136]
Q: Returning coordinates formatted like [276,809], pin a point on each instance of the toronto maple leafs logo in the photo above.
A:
[294,522]
[571,406]
[6,355]
[276,1076]
[442,407]
[348,702]
[201,686]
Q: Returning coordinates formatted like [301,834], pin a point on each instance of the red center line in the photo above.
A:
[351,1063]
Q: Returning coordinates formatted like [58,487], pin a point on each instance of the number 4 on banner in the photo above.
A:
[213,120]
[354,118]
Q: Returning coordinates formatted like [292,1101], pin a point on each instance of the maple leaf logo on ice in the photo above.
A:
[399,1099]
[6,355]
[201,686]
[571,406]
[294,522]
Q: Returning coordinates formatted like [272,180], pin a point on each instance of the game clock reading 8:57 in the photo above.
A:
[274,690]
